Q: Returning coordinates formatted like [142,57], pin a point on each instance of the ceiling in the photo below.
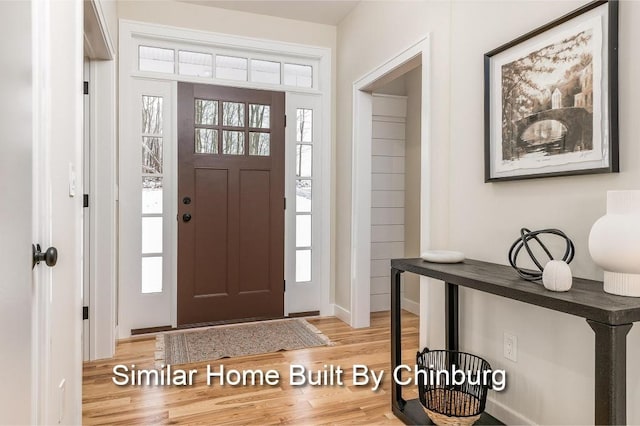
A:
[328,12]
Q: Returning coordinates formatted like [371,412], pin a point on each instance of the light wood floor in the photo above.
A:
[106,403]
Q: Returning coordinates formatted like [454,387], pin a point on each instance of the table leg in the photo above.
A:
[610,373]
[451,317]
[396,337]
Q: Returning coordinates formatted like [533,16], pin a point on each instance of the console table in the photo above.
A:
[610,317]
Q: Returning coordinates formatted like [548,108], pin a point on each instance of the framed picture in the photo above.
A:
[551,98]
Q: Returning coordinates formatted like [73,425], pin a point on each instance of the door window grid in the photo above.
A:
[225,67]
[228,128]
[304,203]
[152,194]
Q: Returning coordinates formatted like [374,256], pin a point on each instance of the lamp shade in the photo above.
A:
[614,243]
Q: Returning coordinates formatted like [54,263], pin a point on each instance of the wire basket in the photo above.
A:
[448,402]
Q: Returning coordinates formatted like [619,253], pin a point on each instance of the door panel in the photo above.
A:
[231,166]
[255,243]
[211,232]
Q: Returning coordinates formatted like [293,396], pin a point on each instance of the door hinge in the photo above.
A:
[285,203]
[85,200]
[85,312]
[285,120]
[284,283]
[85,87]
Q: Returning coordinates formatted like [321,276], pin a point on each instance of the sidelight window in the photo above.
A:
[152,140]
[304,205]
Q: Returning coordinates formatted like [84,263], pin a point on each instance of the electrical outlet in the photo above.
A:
[510,347]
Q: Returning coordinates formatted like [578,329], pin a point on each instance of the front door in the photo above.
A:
[230,203]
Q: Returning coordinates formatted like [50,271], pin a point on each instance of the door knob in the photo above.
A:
[50,256]
[186,217]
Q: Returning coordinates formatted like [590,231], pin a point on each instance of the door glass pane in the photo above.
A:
[155,59]
[206,112]
[265,71]
[231,68]
[151,235]
[303,265]
[206,141]
[304,125]
[298,75]
[233,143]
[151,195]
[151,274]
[303,230]
[259,143]
[303,160]
[151,155]
[152,115]
[197,64]
[233,114]
[303,195]
[259,116]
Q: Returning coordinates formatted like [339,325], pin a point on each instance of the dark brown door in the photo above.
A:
[231,203]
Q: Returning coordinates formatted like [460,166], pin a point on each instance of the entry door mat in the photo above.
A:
[228,341]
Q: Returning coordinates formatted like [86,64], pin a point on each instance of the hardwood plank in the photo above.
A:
[106,403]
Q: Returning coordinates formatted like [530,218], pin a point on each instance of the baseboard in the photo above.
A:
[505,414]
[411,306]
[342,314]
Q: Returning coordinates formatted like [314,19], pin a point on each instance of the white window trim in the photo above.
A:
[132,34]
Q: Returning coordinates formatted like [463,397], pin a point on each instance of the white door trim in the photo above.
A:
[99,48]
[134,33]
[361,175]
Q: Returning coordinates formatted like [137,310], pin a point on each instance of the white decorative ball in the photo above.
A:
[556,276]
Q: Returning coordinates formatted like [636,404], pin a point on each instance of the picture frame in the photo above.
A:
[551,98]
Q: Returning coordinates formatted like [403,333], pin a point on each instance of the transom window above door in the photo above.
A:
[231,128]
[226,67]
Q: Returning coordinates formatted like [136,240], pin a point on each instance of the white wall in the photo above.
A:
[552,382]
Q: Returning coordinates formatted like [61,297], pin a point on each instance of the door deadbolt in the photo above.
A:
[50,257]
[186,200]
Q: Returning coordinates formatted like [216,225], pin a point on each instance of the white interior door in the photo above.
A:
[16,110]
[40,150]
[302,231]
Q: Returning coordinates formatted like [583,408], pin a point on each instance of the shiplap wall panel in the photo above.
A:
[388,147]
[387,216]
[384,164]
[389,106]
[387,250]
[388,181]
[387,193]
[387,199]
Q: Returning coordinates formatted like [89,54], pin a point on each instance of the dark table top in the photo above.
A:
[586,298]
